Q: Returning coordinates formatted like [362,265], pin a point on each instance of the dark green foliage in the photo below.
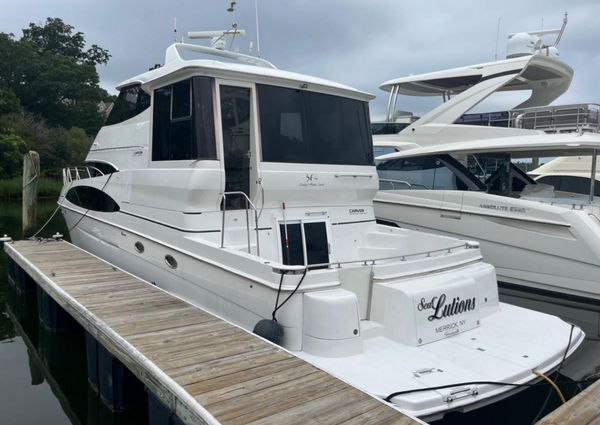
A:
[12,148]
[49,95]
[57,38]
[53,75]
[9,102]
[57,146]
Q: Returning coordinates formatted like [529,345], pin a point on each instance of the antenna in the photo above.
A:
[175,29]
[257,34]
[562,29]
[497,37]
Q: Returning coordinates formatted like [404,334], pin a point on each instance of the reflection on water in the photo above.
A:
[43,377]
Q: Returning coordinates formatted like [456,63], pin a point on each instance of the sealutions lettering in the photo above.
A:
[441,309]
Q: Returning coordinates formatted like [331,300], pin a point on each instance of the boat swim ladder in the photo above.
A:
[249,205]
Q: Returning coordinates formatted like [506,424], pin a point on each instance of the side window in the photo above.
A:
[416,173]
[91,198]
[132,100]
[100,168]
[382,150]
[183,121]
[304,238]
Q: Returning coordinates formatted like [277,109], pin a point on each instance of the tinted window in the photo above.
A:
[388,127]
[426,172]
[131,101]
[181,100]
[292,254]
[306,127]
[382,150]
[91,198]
[183,123]
[315,243]
[573,184]
[103,167]
[317,248]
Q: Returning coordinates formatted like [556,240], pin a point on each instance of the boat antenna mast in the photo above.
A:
[530,42]
[217,46]
[257,33]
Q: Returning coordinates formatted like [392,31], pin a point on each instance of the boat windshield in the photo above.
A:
[300,126]
[440,172]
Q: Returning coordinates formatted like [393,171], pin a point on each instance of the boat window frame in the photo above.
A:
[254,130]
[458,170]
[214,151]
[305,98]
[302,221]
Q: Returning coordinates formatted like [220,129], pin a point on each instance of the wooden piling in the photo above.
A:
[31,173]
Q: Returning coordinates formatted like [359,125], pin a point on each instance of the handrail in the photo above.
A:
[373,261]
[404,182]
[570,117]
[249,204]
[68,172]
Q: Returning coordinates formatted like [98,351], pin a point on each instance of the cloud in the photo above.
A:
[356,42]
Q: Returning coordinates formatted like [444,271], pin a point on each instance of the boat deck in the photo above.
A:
[204,369]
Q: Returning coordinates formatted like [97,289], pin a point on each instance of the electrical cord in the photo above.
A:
[509,384]
[277,305]
[552,384]
[543,408]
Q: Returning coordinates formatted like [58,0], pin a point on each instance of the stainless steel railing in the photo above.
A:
[374,261]
[249,205]
[393,184]
[560,118]
[77,173]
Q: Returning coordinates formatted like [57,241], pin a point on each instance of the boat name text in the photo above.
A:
[441,309]
[503,208]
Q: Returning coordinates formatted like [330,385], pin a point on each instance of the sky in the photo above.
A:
[360,43]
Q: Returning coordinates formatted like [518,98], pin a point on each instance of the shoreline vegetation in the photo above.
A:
[12,189]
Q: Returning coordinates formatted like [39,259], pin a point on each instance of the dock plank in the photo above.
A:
[583,409]
[207,370]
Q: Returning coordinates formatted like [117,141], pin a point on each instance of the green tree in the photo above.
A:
[53,75]
[9,102]
[58,38]
[12,148]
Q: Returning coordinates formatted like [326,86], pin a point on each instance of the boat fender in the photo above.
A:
[269,329]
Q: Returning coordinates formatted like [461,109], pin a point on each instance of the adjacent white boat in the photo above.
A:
[454,178]
[248,191]
[568,174]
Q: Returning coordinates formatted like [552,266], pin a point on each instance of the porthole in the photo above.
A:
[171,262]
[139,247]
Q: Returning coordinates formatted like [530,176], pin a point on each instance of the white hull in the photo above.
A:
[500,349]
[241,188]
[531,244]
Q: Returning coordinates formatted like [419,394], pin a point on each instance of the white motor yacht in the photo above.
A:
[452,173]
[248,191]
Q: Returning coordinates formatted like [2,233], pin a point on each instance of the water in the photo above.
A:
[43,375]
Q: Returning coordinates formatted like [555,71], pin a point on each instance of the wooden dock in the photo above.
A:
[583,409]
[202,368]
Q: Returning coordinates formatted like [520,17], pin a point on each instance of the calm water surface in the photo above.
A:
[43,375]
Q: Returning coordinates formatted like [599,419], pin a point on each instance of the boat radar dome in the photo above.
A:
[530,42]
[522,44]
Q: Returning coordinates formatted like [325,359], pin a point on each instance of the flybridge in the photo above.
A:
[530,65]
[216,48]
